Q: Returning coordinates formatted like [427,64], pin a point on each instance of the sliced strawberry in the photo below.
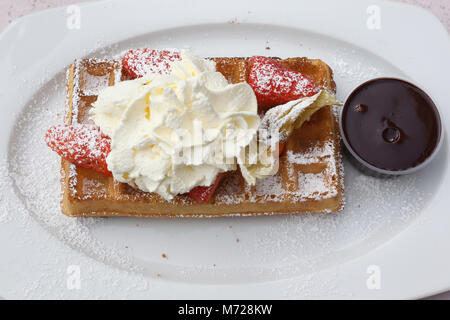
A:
[203,194]
[82,145]
[139,62]
[275,84]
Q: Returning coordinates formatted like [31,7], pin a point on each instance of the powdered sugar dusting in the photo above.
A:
[93,85]
[5,184]
[373,205]
[316,154]
[73,181]
[35,172]
[139,62]
[309,186]
[270,189]
[273,82]
[76,89]
[314,185]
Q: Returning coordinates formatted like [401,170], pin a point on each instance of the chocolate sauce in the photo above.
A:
[391,124]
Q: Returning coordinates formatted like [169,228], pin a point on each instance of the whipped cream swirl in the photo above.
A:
[171,133]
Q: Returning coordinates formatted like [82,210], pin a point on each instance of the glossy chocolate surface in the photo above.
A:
[391,124]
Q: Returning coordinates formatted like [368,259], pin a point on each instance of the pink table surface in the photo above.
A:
[12,9]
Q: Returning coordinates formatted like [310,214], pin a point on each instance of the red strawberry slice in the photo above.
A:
[275,84]
[82,145]
[139,62]
[203,194]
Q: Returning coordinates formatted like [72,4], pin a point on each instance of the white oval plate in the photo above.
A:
[391,241]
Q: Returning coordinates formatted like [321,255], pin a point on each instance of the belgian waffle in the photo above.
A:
[309,179]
